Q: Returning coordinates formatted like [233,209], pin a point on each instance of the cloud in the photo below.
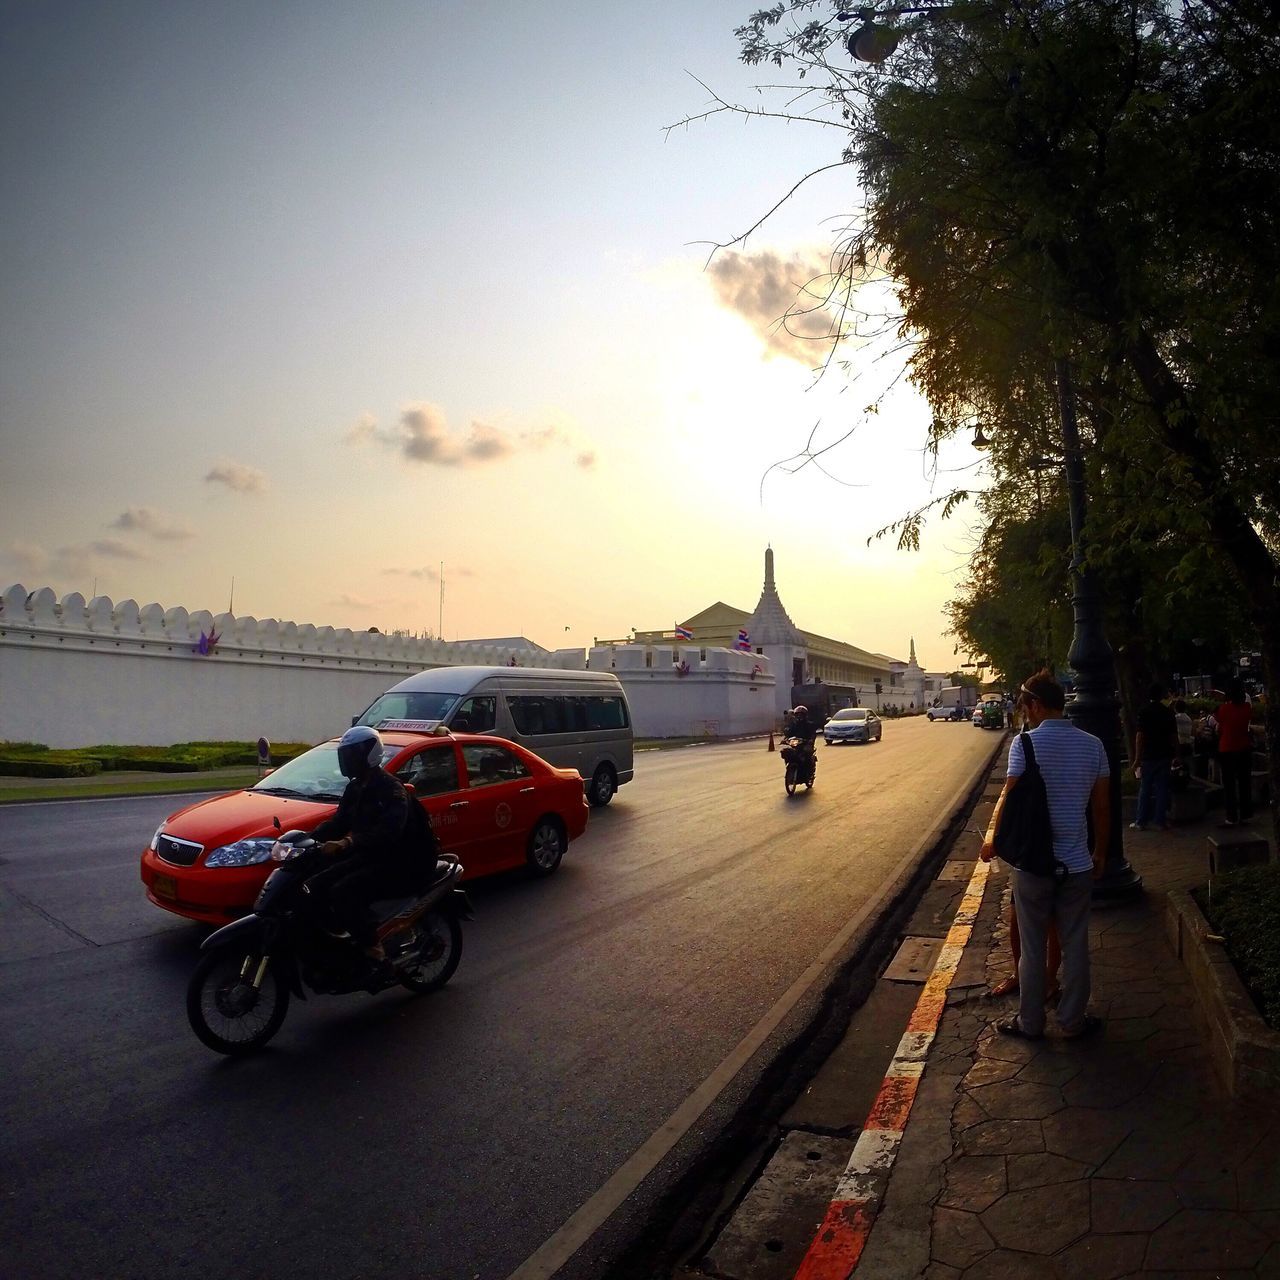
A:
[75,562]
[152,522]
[365,428]
[783,300]
[28,557]
[237,477]
[428,574]
[423,436]
[114,549]
[348,601]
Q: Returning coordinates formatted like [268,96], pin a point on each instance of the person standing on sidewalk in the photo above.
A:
[1154,747]
[1075,771]
[1235,754]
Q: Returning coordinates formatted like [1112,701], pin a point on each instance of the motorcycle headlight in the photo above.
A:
[282,852]
[243,853]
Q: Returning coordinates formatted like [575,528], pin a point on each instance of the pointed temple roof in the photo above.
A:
[770,623]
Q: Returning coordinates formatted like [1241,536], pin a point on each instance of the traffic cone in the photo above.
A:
[771,746]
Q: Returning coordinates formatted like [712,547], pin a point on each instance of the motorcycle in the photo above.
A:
[239,993]
[801,759]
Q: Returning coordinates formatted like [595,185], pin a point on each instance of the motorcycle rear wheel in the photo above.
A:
[224,1009]
[438,941]
[792,779]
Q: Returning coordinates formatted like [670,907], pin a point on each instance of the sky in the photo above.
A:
[301,303]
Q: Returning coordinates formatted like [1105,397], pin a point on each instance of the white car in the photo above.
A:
[946,713]
[853,724]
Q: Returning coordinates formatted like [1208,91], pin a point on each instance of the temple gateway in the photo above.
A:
[801,657]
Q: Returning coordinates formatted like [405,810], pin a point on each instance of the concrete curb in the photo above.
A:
[1244,1050]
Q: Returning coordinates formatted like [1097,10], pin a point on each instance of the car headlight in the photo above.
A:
[155,839]
[243,853]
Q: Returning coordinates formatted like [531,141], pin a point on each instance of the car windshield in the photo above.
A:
[409,706]
[314,775]
[850,713]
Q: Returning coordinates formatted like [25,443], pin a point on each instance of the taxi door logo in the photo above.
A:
[502,816]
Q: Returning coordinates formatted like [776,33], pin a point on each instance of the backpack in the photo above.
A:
[1024,838]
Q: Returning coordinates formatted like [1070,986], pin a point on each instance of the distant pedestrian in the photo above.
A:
[1075,771]
[1186,731]
[1153,752]
[1235,754]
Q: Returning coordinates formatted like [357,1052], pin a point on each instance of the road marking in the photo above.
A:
[554,1252]
[838,1245]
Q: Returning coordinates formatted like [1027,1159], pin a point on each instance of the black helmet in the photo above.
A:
[359,751]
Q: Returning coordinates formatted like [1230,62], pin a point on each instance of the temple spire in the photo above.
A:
[913,652]
[768,566]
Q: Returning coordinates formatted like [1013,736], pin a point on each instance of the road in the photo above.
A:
[453,1135]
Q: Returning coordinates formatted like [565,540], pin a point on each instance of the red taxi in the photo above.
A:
[489,801]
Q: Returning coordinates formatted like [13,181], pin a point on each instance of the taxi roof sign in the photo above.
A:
[415,726]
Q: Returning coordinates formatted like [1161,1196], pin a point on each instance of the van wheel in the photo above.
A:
[603,785]
[546,846]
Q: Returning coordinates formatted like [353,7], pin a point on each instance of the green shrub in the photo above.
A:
[1243,906]
[47,767]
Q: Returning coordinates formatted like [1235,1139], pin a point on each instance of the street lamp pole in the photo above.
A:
[1094,707]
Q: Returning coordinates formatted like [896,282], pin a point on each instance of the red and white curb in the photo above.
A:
[838,1246]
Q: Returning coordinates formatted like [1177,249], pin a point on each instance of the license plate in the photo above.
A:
[164,887]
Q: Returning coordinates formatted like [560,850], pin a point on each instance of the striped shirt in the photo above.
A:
[1071,761]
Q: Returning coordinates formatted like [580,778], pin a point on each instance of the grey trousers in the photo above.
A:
[1038,900]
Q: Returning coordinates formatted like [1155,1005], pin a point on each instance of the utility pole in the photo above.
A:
[440,619]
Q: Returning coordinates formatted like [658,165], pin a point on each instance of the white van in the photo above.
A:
[572,719]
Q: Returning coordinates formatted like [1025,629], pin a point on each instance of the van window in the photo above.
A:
[535,713]
[606,713]
[476,715]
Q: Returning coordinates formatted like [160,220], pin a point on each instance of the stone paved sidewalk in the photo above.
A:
[1120,1155]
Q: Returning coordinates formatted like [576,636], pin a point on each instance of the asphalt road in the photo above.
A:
[447,1136]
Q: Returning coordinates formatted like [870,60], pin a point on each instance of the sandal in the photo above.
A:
[1005,987]
[1091,1025]
[1012,1027]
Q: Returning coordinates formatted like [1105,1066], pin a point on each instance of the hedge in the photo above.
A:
[1244,906]
[25,767]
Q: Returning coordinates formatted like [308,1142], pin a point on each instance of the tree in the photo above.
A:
[1096,182]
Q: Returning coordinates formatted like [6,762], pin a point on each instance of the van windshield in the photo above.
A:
[409,706]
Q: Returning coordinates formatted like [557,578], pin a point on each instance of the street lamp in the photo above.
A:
[1094,706]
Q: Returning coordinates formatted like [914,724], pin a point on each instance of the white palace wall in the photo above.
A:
[725,693]
[81,673]
[78,674]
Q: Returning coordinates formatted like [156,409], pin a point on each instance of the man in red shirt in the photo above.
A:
[1235,754]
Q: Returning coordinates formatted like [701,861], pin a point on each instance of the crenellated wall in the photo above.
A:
[727,693]
[78,673]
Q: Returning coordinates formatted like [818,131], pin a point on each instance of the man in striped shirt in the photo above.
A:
[1075,771]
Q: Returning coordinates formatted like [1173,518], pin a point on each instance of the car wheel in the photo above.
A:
[546,846]
[603,784]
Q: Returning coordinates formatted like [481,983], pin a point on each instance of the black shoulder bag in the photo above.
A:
[1024,838]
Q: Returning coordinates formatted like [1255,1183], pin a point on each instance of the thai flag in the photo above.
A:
[744,641]
[683,633]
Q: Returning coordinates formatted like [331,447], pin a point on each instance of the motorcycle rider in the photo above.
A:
[380,839]
[803,730]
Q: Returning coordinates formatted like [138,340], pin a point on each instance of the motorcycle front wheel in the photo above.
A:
[792,779]
[436,951]
[227,1011]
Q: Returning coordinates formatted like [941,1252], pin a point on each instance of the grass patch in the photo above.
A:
[106,786]
[34,760]
[1243,907]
